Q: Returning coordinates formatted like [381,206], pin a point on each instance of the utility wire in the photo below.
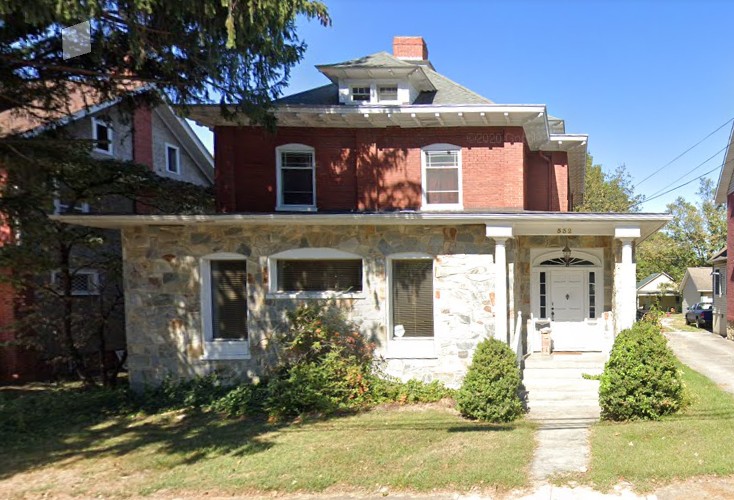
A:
[681,185]
[690,171]
[687,150]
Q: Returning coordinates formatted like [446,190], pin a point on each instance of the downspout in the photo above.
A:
[549,161]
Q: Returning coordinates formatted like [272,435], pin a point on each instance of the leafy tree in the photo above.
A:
[608,192]
[697,231]
[235,53]
[62,326]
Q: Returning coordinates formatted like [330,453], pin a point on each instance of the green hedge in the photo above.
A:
[641,380]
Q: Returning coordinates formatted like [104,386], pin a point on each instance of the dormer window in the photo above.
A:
[387,93]
[361,94]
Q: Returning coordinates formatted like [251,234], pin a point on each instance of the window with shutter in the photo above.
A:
[340,275]
[412,298]
[229,299]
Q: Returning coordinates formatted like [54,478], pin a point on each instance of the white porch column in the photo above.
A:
[500,235]
[625,291]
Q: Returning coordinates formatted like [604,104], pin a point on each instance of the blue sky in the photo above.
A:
[646,80]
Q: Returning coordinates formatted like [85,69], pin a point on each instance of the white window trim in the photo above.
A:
[297,148]
[424,185]
[94,274]
[311,254]
[374,86]
[402,347]
[110,133]
[219,348]
[178,159]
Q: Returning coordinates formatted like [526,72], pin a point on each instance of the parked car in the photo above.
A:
[702,314]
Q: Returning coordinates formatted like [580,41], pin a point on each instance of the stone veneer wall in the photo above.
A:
[163,306]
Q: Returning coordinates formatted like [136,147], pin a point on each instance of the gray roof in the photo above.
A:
[447,91]
[701,277]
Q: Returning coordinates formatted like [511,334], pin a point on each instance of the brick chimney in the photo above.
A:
[410,47]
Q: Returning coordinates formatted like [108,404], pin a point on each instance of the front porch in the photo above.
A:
[573,279]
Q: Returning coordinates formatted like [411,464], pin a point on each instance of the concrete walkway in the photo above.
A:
[707,353]
[565,405]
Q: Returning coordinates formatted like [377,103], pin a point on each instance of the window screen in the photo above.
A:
[320,275]
[442,177]
[296,170]
[229,299]
[412,297]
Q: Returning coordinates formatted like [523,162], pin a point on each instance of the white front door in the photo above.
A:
[568,305]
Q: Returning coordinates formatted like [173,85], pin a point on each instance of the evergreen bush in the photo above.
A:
[490,390]
[641,380]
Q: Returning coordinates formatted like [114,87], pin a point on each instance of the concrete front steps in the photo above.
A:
[564,404]
[556,390]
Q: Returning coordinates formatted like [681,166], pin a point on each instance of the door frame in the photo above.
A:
[593,255]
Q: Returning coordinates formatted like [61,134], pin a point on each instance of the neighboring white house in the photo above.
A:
[696,286]
[718,263]
[659,290]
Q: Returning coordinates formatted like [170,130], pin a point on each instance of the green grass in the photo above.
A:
[193,453]
[697,441]
[677,323]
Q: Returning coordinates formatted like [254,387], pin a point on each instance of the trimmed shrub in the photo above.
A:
[641,380]
[490,390]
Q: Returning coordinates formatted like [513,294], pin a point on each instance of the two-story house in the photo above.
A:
[156,137]
[433,216]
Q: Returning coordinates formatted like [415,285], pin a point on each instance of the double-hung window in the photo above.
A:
[102,135]
[387,93]
[296,177]
[442,177]
[224,306]
[410,285]
[361,94]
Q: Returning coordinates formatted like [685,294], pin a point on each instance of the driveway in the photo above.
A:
[707,353]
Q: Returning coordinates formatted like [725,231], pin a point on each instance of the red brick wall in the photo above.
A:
[369,169]
[412,47]
[546,181]
[730,259]
[143,136]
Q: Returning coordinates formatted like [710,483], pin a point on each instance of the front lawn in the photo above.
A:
[697,441]
[194,453]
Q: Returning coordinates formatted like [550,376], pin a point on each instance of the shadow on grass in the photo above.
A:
[68,426]
[45,428]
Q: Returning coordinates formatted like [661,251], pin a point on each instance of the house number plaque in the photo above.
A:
[564,230]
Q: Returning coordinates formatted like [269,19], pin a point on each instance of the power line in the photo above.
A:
[681,185]
[687,150]
[690,171]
